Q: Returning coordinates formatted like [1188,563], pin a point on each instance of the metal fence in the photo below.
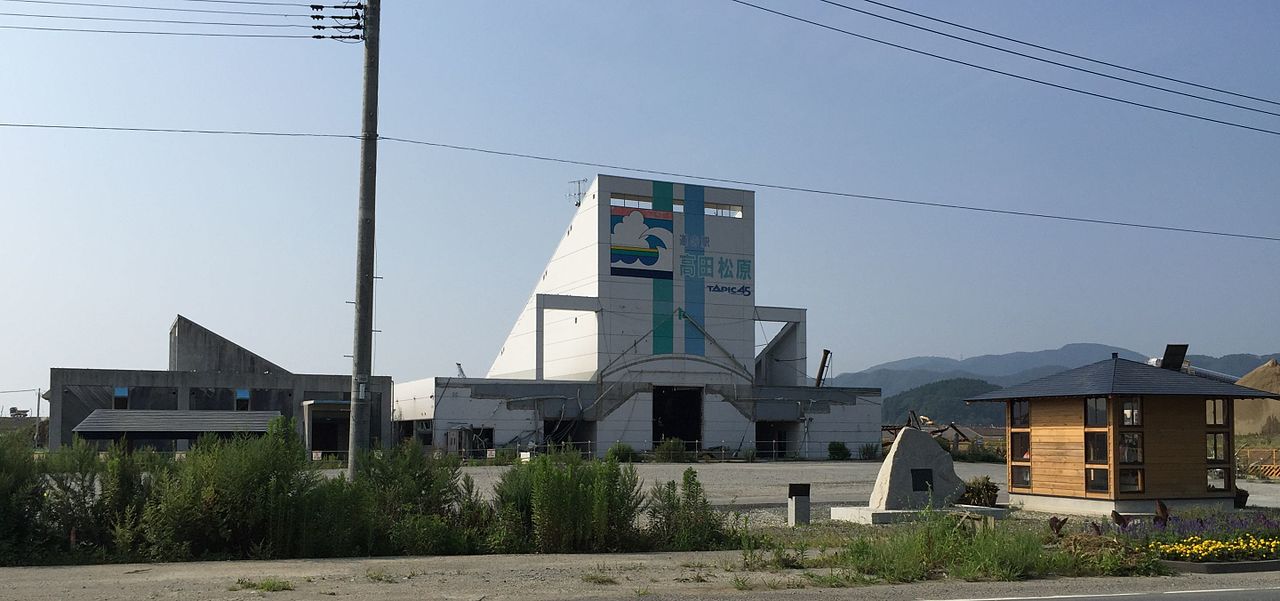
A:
[1261,463]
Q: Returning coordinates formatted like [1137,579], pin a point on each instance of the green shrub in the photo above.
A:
[979,491]
[20,497]
[232,498]
[561,503]
[671,450]
[622,453]
[749,454]
[980,454]
[73,510]
[682,519]
[837,451]
[869,450]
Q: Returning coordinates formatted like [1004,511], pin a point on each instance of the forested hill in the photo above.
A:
[943,402]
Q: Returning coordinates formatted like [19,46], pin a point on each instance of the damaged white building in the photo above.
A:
[642,328]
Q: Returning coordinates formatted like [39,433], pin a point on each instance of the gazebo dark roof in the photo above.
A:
[1121,377]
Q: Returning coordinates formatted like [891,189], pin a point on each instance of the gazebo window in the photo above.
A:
[1095,412]
[1130,447]
[1020,414]
[1095,479]
[1131,412]
[1131,479]
[1021,476]
[1217,447]
[1095,447]
[1020,446]
[1215,412]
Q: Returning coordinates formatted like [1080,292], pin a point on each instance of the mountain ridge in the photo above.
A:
[1007,369]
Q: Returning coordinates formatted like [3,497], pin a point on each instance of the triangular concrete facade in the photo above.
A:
[193,347]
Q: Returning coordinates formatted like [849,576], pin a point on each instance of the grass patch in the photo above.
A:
[266,585]
[380,575]
[598,578]
[939,545]
[741,583]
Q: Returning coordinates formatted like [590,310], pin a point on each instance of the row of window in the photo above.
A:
[120,398]
[1131,477]
[710,209]
[1096,414]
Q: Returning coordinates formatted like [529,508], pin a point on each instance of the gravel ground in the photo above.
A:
[530,578]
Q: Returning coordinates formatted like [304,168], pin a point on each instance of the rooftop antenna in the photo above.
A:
[579,191]
[461,374]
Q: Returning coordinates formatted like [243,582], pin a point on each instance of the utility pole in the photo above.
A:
[361,359]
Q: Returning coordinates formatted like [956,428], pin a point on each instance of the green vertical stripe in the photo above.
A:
[663,305]
[663,318]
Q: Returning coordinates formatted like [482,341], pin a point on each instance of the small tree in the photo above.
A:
[837,451]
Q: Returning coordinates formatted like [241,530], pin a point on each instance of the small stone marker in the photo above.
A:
[916,473]
[797,504]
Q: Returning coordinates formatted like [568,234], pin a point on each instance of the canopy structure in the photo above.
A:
[162,424]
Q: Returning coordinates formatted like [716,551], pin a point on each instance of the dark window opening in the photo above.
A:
[1216,447]
[1219,478]
[677,413]
[120,398]
[1131,480]
[771,439]
[1020,445]
[1095,480]
[1095,447]
[1020,413]
[1021,476]
[242,399]
[1095,412]
[1130,448]
[573,432]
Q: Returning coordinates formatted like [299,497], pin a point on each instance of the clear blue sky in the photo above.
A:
[108,235]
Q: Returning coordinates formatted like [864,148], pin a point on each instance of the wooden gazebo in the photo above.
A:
[1119,435]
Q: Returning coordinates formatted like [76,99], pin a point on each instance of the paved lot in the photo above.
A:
[749,485]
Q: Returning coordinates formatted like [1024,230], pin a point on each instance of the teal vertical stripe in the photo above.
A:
[663,304]
[694,284]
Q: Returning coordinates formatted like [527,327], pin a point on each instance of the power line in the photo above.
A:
[1007,73]
[1075,56]
[169,130]
[166,9]
[676,174]
[183,33]
[253,3]
[818,191]
[1049,61]
[166,21]
[21,390]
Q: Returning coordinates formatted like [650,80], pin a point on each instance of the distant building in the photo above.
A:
[212,386]
[1119,435]
[642,327]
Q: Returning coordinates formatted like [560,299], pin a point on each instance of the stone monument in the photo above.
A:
[917,473]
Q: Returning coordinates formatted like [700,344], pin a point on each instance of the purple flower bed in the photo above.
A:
[1213,526]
